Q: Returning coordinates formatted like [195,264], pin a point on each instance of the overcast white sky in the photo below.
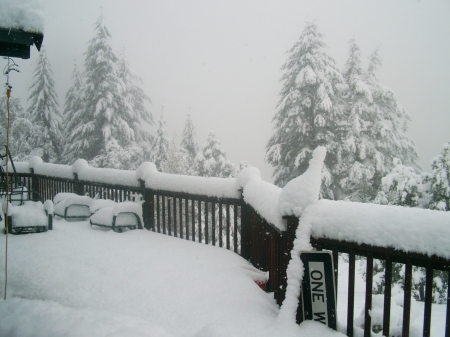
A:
[222,59]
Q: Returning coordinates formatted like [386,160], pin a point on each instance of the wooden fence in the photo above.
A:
[233,224]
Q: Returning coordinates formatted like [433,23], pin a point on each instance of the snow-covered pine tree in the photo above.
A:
[375,130]
[44,111]
[388,126]
[160,146]
[358,155]
[73,108]
[113,110]
[309,112]
[403,186]
[439,180]
[21,129]
[117,157]
[178,158]
[188,138]
[139,117]
[212,160]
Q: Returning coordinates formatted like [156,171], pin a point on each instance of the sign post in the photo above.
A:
[318,288]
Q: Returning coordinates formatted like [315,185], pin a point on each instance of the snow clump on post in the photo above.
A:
[305,189]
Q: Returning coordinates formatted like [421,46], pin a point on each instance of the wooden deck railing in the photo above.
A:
[389,256]
[233,224]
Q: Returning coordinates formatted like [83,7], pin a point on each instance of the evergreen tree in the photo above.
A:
[309,112]
[160,147]
[388,127]
[375,130]
[21,129]
[139,117]
[188,139]
[212,161]
[44,111]
[117,157]
[101,96]
[113,113]
[403,187]
[178,158]
[73,108]
[439,180]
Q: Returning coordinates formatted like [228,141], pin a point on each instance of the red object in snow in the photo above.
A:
[261,284]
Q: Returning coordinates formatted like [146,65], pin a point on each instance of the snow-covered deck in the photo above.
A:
[75,281]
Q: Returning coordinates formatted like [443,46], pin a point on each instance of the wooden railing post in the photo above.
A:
[245,231]
[148,207]
[77,185]
[35,187]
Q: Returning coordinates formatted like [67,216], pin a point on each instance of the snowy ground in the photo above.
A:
[78,281]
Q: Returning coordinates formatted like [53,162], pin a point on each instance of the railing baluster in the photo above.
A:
[227,208]
[158,213]
[206,223]
[220,224]
[336,270]
[199,221]
[193,219]
[213,221]
[407,300]
[351,293]
[186,217]
[428,301]
[368,305]
[175,232]
[169,213]
[387,297]
[235,210]
[180,207]
[163,208]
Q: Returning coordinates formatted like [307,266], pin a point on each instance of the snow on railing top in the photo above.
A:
[51,170]
[409,229]
[24,14]
[209,186]
[270,201]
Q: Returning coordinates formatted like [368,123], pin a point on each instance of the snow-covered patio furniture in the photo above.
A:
[17,192]
[122,215]
[72,207]
[31,217]
[17,195]
[101,203]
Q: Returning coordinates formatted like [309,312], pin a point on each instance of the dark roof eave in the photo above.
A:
[16,42]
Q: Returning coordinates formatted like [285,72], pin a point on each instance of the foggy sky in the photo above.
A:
[221,59]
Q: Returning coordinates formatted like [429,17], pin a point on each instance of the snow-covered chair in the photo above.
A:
[101,203]
[17,195]
[72,207]
[31,217]
[126,214]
